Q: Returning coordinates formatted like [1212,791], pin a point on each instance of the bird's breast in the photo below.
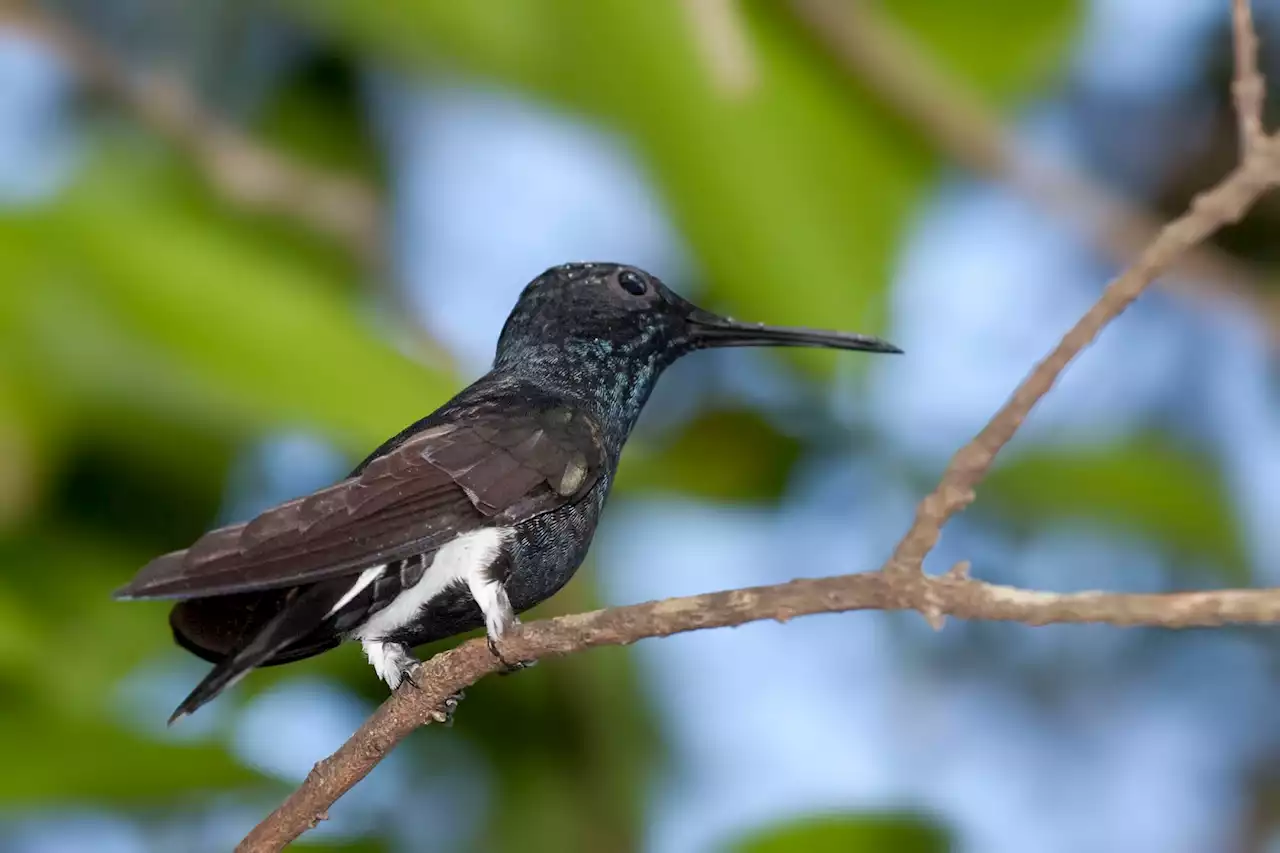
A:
[548,549]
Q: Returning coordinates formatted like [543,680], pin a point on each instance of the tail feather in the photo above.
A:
[216,628]
[298,618]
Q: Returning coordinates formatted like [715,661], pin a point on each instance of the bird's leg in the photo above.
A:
[499,616]
[396,665]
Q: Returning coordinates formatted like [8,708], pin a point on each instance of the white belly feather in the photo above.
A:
[466,559]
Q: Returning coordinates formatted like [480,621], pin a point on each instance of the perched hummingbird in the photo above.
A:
[473,514]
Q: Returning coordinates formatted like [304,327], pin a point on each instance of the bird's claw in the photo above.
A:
[394,663]
[444,714]
[508,667]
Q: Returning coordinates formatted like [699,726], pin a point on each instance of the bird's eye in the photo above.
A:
[632,283]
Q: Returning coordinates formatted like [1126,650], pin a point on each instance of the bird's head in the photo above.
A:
[613,311]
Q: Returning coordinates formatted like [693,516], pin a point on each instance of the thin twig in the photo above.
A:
[899,585]
[1221,205]
[1248,88]
[722,36]
[244,171]
[952,118]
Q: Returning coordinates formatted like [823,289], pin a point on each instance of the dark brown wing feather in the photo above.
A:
[483,468]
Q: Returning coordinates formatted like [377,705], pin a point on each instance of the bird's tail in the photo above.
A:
[298,617]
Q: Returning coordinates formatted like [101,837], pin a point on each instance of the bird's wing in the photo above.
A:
[479,469]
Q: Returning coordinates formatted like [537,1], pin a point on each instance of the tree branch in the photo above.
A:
[953,119]
[900,584]
[244,171]
[722,37]
[1223,204]
[1248,88]
[459,668]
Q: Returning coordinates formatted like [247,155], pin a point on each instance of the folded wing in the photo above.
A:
[483,466]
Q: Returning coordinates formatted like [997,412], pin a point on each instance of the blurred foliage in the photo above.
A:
[161,312]
[850,834]
[150,333]
[1144,486]
[793,197]
[722,455]
[366,845]
[58,704]
[319,115]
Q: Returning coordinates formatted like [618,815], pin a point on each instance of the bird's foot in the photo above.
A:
[499,618]
[393,662]
[396,665]
[403,667]
[444,714]
[508,666]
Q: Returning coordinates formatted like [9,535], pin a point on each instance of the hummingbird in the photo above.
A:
[467,517]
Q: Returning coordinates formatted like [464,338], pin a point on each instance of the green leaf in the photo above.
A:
[850,834]
[1144,485]
[29,432]
[318,118]
[1004,48]
[64,646]
[795,195]
[722,455]
[55,593]
[130,298]
[56,759]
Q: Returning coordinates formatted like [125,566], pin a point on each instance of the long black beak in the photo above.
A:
[709,330]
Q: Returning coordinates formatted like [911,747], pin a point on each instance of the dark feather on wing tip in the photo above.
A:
[157,571]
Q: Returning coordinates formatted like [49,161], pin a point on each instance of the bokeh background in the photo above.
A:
[241,243]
